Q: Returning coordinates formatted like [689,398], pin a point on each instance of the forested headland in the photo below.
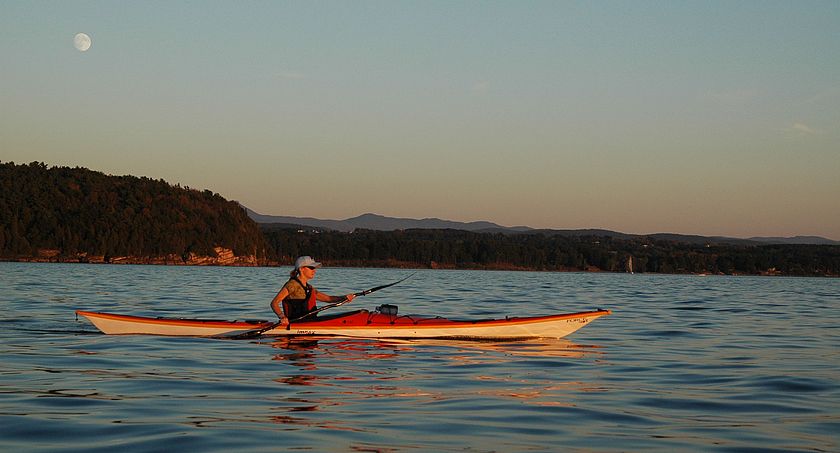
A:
[75,214]
[63,214]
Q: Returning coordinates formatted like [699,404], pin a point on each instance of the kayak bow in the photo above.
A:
[359,323]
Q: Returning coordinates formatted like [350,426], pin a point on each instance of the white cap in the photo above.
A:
[306,261]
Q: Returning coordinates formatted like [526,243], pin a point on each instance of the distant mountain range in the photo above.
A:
[382,223]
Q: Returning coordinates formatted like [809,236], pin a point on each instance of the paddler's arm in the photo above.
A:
[277,305]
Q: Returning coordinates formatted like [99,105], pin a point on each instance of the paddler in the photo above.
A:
[298,297]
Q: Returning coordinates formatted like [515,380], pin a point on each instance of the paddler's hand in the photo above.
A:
[284,321]
[350,297]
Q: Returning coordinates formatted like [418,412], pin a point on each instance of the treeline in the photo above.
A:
[75,212]
[468,250]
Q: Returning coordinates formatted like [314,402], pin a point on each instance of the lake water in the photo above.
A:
[685,363]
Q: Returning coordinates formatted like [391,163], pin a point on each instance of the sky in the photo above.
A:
[693,117]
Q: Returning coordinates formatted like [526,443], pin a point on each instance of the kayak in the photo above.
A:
[358,323]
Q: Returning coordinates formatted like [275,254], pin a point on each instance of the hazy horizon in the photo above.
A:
[712,119]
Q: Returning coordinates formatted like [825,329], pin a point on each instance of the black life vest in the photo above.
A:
[295,308]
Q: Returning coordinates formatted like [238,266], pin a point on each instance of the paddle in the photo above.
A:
[257,332]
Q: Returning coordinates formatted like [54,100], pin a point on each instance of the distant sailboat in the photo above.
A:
[630,264]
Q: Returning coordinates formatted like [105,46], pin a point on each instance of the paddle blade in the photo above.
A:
[249,334]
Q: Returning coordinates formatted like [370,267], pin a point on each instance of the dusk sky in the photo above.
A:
[694,117]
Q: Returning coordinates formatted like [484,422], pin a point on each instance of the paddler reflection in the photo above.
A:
[298,297]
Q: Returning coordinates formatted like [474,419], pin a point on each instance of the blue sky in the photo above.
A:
[714,118]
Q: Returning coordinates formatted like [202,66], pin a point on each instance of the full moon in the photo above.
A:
[81,41]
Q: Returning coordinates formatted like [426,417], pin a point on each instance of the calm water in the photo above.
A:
[684,363]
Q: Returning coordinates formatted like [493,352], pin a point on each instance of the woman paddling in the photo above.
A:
[298,297]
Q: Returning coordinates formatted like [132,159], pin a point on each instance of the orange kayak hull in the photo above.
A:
[359,324]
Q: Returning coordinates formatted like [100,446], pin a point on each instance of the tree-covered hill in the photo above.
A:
[68,214]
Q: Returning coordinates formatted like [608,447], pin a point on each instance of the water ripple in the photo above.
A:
[683,364]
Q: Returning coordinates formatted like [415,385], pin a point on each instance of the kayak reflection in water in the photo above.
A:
[298,297]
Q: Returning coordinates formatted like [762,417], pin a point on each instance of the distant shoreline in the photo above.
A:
[73,215]
[378,264]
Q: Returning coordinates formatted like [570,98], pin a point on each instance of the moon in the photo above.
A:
[81,41]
